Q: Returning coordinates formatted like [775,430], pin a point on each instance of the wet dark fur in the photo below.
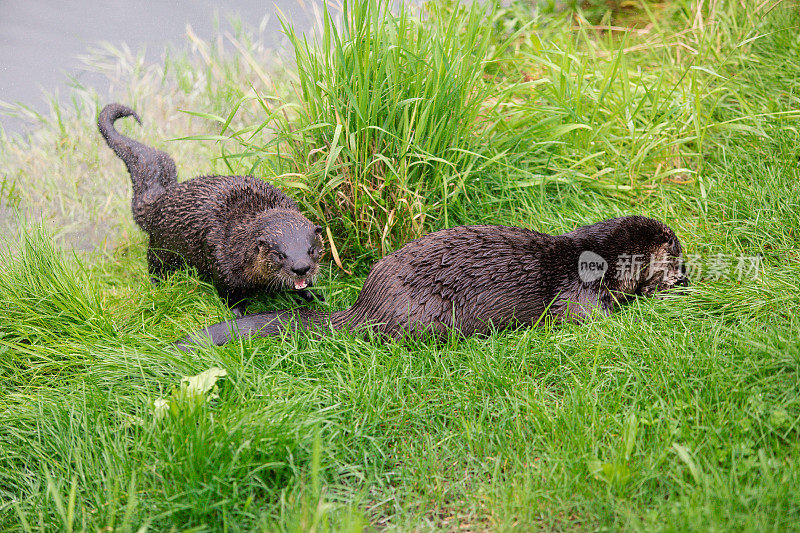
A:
[239,232]
[476,278]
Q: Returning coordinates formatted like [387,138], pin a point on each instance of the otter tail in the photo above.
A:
[261,325]
[152,171]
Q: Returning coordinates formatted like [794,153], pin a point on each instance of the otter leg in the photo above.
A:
[239,309]
[161,263]
[235,300]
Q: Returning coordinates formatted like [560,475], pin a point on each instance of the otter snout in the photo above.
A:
[301,269]
[680,285]
[682,282]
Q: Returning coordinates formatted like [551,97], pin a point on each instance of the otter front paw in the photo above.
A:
[238,310]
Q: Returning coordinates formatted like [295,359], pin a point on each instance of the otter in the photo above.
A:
[473,279]
[239,232]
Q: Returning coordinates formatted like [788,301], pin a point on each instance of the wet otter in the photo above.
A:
[472,279]
[239,232]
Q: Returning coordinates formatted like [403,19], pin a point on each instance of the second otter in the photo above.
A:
[239,232]
[472,279]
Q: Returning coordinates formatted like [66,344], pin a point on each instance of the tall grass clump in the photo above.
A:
[385,133]
[49,301]
[46,293]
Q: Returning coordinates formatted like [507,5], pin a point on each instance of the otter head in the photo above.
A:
[665,269]
[651,261]
[289,247]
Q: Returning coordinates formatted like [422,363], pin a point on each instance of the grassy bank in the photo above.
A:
[674,414]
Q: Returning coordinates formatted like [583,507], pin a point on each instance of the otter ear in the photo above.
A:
[262,242]
[318,230]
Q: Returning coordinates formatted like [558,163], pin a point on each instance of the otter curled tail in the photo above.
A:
[152,171]
[261,325]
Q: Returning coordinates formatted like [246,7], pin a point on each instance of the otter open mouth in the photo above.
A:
[300,284]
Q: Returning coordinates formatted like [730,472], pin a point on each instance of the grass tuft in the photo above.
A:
[385,135]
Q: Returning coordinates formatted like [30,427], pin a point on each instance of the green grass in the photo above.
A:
[673,414]
[386,133]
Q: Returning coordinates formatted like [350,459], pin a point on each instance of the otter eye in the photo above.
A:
[280,256]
